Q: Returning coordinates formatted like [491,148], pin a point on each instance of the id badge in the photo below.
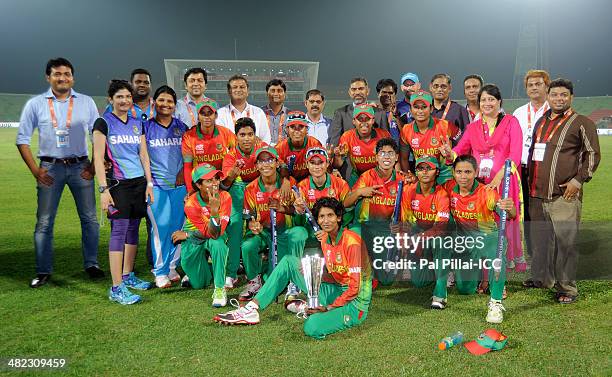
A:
[486,165]
[62,138]
[538,151]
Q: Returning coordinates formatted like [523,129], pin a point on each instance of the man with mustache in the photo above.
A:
[143,107]
[276,111]
[195,83]
[318,124]
[445,109]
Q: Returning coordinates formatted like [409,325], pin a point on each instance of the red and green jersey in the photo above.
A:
[476,211]
[378,207]
[286,150]
[200,149]
[362,154]
[257,199]
[334,187]
[427,143]
[249,171]
[424,211]
[348,265]
[197,214]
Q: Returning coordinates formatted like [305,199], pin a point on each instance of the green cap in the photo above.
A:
[364,108]
[208,103]
[489,340]
[421,96]
[266,149]
[206,171]
[429,160]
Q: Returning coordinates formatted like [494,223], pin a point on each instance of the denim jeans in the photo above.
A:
[48,200]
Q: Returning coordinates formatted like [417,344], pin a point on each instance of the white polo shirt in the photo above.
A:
[228,115]
[528,117]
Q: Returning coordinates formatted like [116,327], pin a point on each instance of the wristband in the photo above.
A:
[149,184]
[215,223]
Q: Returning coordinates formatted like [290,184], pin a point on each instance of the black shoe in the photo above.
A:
[94,272]
[40,280]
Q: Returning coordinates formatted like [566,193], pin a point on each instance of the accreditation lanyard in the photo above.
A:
[549,130]
[234,117]
[472,116]
[68,115]
[151,107]
[529,125]
[269,118]
[193,118]
[448,105]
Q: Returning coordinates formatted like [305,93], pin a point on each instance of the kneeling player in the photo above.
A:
[346,290]
[208,212]
[475,211]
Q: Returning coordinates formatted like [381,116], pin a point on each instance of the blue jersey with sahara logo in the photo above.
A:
[122,145]
[164,146]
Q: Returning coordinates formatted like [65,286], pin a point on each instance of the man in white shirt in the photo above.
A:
[238,91]
[536,86]
[318,125]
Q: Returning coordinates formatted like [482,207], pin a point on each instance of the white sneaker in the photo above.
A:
[296,306]
[174,276]
[240,316]
[219,298]
[229,282]
[185,282]
[495,313]
[251,289]
[162,281]
[438,303]
[292,292]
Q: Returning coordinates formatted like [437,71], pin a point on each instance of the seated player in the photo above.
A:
[206,143]
[295,146]
[359,143]
[207,215]
[376,189]
[475,211]
[260,196]
[425,214]
[239,169]
[346,290]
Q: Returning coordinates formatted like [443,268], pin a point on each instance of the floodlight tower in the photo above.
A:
[532,47]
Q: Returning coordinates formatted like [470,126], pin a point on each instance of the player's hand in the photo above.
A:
[179,236]
[494,184]
[368,192]
[180,178]
[43,178]
[395,228]
[213,201]
[88,172]
[507,205]
[409,177]
[321,235]
[107,166]
[255,224]
[571,191]
[285,192]
[318,309]
[445,149]
[105,200]
[149,195]
[300,204]
[341,150]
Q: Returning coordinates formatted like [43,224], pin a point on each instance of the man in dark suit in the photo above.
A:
[343,117]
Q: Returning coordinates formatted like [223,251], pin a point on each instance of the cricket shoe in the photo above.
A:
[133,282]
[230,282]
[185,283]
[495,313]
[438,303]
[251,289]
[122,295]
[296,305]
[292,292]
[240,316]
[219,298]
[174,276]
[162,281]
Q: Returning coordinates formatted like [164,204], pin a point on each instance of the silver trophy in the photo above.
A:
[312,268]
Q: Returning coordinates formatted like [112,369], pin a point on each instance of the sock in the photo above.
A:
[252,305]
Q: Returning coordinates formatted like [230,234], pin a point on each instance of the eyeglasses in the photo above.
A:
[440,86]
[425,168]
[269,161]
[386,153]
[312,151]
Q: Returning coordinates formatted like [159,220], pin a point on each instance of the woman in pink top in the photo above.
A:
[492,139]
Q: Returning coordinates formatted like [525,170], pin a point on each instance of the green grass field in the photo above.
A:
[171,333]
